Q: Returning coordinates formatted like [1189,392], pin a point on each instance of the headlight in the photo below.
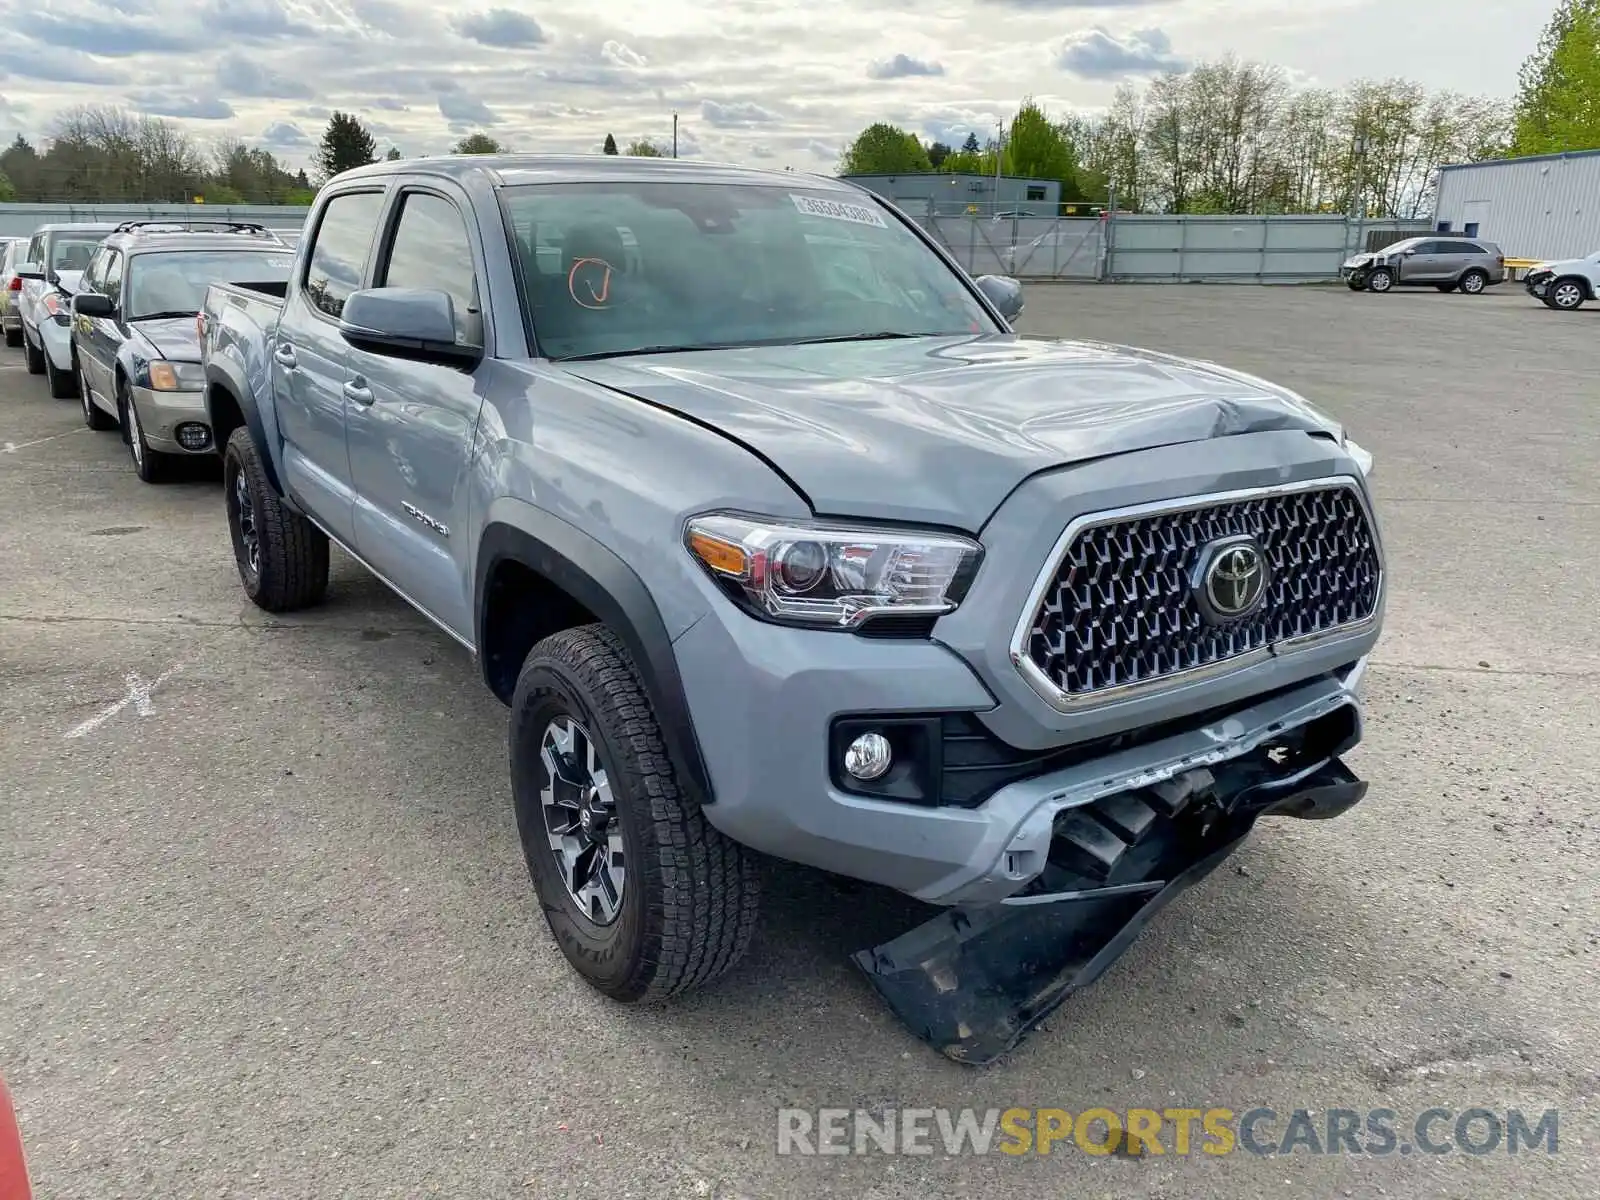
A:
[1362,456]
[177,376]
[832,576]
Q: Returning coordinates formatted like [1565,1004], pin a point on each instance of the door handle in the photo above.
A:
[358,393]
[284,355]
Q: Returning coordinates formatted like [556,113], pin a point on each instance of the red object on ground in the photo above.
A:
[13,1169]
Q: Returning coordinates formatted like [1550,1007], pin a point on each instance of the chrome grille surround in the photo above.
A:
[1155,637]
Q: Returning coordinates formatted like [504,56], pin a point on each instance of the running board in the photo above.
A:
[974,982]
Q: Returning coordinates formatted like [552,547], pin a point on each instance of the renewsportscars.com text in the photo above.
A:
[1376,1132]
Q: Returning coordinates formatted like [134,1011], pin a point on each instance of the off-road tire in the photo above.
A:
[690,896]
[1473,283]
[293,553]
[1566,286]
[34,357]
[1380,279]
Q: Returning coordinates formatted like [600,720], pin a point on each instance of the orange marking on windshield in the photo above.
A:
[597,298]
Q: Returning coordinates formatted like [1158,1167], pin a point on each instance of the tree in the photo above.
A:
[971,146]
[1037,149]
[8,194]
[937,153]
[642,149]
[611,145]
[1558,97]
[884,149]
[345,145]
[243,175]
[393,155]
[478,143]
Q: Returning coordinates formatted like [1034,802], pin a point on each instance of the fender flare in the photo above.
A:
[220,376]
[594,576]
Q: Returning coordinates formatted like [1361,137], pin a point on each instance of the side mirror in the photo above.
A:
[93,304]
[415,323]
[1003,292]
[1409,253]
[29,271]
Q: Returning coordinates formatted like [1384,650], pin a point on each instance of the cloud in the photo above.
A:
[621,56]
[265,20]
[240,76]
[902,66]
[51,65]
[195,108]
[730,116]
[390,103]
[1096,54]
[1066,5]
[823,150]
[500,27]
[110,37]
[284,133]
[315,111]
[458,108]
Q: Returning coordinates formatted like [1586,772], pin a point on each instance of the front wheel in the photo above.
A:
[643,896]
[282,557]
[1473,283]
[150,465]
[1565,294]
[1380,279]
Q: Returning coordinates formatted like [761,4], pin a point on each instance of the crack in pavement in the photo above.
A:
[199,623]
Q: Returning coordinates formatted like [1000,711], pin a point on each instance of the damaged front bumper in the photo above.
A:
[974,980]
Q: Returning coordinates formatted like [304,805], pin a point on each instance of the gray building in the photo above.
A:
[1546,206]
[934,194]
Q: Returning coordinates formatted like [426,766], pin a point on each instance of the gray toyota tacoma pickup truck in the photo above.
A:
[776,539]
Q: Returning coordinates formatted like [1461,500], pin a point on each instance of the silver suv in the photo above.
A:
[1446,263]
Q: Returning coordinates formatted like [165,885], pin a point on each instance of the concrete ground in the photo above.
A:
[265,929]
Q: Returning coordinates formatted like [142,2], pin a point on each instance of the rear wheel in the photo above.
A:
[282,557]
[33,356]
[1380,279]
[14,337]
[1565,294]
[1473,282]
[93,415]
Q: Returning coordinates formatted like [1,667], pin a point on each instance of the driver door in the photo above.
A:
[1424,264]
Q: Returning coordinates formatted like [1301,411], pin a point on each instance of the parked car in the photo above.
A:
[1565,284]
[136,342]
[10,290]
[57,256]
[1447,263]
[761,563]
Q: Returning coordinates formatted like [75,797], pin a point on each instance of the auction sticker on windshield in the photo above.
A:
[835,210]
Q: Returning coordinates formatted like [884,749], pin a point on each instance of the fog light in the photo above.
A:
[193,437]
[868,757]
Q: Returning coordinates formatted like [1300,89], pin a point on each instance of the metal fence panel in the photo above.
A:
[1024,247]
[1259,249]
[20,220]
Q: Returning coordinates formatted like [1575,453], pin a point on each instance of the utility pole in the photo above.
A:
[674,135]
[999,157]
[1358,209]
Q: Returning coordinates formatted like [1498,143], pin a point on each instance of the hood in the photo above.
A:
[175,338]
[68,281]
[942,429]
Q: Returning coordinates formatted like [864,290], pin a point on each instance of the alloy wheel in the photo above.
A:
[580,819]
[1472,284]
[135,436]
[1566,295]
[244,509]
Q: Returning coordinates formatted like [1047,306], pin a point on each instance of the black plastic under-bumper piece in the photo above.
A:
[973,982]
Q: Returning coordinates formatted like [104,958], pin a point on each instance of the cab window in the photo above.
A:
[339,252]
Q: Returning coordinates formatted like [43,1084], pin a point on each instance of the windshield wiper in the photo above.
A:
[631,351]
[881,336]
[160,316]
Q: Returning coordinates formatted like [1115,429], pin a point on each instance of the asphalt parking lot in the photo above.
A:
[265,928]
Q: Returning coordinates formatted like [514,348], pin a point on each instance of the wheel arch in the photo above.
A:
[227,410]
[575,579]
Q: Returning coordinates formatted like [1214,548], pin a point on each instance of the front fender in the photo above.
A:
[231,371]
[598,579]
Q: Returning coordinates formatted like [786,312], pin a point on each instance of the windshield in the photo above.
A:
[174,283]
[613,268]
[72,251]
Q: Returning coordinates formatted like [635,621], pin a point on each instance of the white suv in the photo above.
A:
[56,258]
[1566,284]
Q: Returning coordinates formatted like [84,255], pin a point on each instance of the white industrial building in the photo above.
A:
[1546,206]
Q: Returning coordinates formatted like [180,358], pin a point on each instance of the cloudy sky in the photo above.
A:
[759,81]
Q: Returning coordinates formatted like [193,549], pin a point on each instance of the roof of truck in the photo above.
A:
[511,169]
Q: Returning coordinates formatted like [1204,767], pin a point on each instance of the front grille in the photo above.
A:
[1120,611]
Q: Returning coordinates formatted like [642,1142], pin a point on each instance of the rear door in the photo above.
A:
[411,423]
[310,359]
